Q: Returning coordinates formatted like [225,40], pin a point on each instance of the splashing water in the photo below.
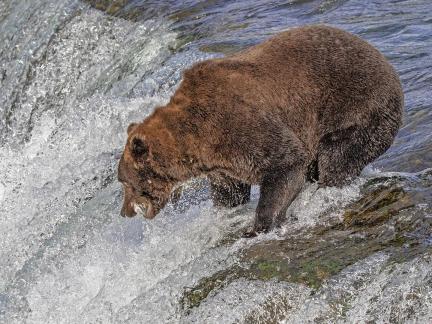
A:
[73,75]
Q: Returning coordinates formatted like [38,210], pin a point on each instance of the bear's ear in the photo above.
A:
[131,127]
[139,149]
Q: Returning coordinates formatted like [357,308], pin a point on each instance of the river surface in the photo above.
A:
[74,74]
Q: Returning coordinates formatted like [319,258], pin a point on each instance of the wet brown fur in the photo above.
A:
[310,102]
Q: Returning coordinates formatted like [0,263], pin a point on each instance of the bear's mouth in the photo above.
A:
[146,209]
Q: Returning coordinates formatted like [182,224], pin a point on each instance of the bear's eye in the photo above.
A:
[147,195]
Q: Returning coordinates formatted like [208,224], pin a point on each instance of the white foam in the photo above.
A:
[73,142]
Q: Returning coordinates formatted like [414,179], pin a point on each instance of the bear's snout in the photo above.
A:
[130,209]
[127,210]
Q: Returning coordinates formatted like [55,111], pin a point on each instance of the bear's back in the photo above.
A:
[314,79]
[344,71]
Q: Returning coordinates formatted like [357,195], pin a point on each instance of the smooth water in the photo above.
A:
[74,74]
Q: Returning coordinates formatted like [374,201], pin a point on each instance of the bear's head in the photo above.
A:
[145,170]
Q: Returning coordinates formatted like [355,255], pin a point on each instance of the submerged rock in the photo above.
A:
[377,207]
[223,47]
[188,21]
[125,9]
[111,7]
[391,216]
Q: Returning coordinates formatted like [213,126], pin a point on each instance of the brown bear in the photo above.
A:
[313,102]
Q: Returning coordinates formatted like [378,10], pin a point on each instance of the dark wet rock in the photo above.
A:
[377,207]
[111,7]
[391,216]
[128,9]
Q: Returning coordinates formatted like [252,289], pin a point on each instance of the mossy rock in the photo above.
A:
[305,261]
[382,220]
[193,297]
[377,207]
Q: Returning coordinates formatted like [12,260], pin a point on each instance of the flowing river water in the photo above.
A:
[74,74]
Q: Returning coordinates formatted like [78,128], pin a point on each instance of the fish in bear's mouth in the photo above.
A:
[145,209]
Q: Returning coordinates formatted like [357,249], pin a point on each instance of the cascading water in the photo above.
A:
[74,74]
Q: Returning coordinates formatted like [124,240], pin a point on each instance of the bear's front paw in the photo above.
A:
[258,229]
[250,234]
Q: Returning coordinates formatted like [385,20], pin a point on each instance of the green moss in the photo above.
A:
[313,272]
[267,266]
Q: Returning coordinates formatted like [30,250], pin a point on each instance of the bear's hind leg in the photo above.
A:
[343,154]
[228,192]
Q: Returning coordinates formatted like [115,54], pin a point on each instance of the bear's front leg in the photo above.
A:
[278,190]
[228,192]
